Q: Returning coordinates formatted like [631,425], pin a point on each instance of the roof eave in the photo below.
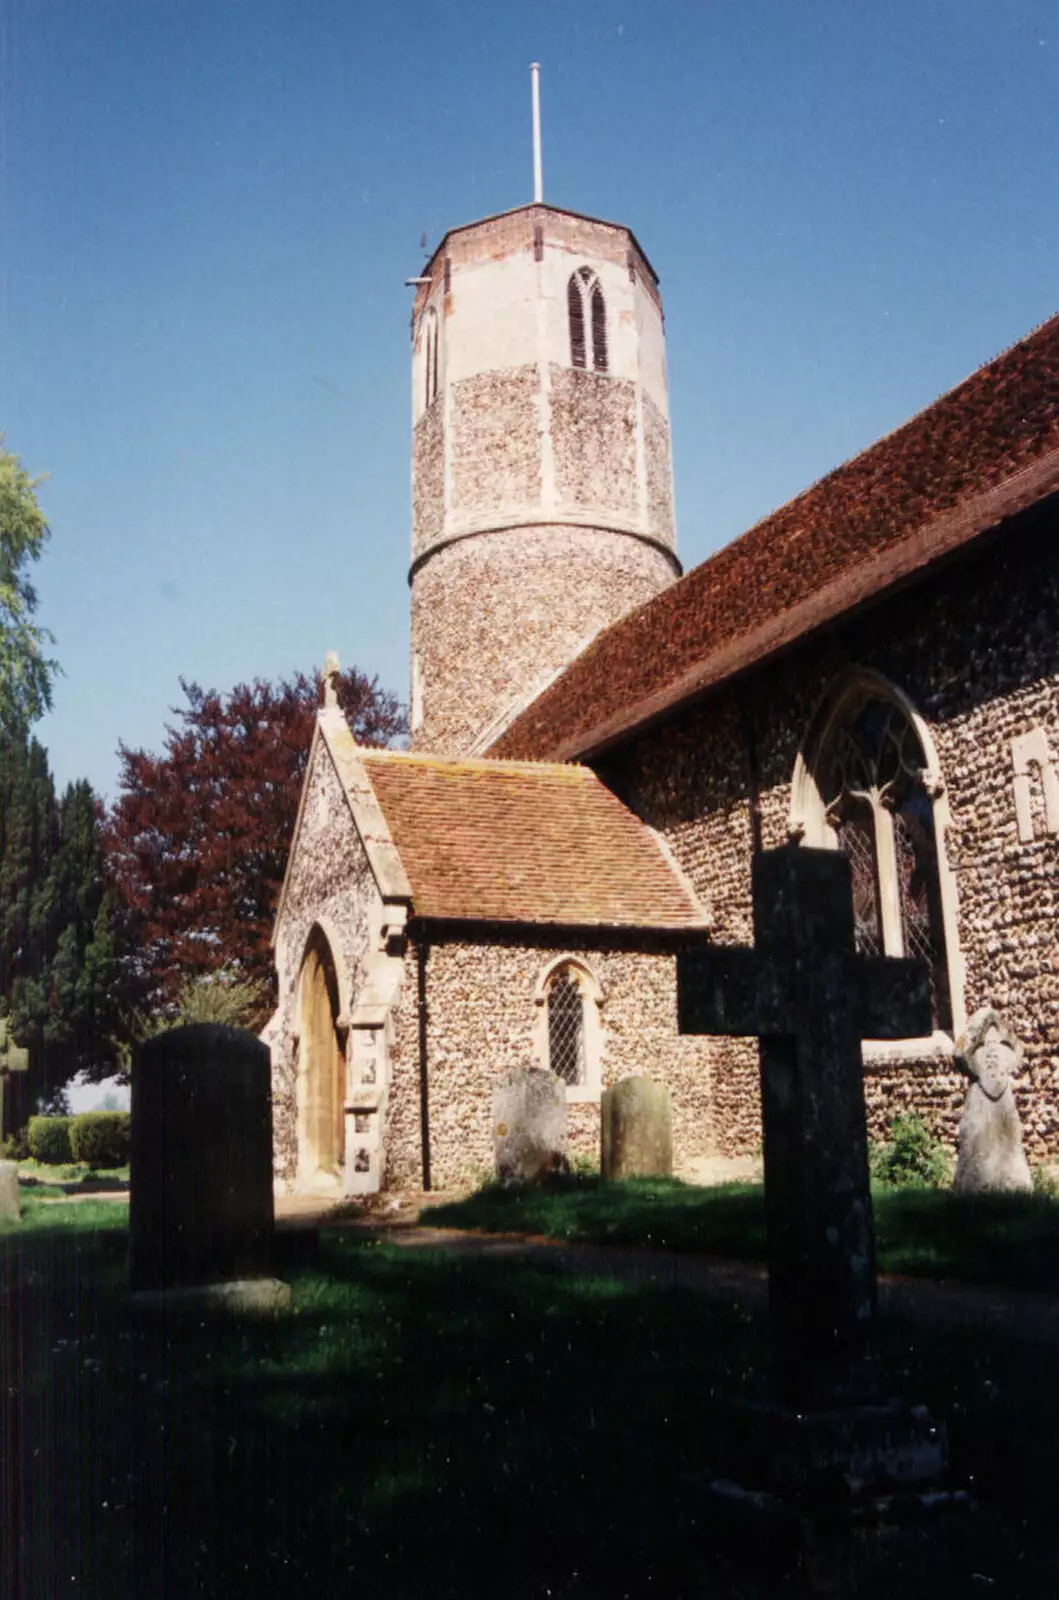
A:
[867,583]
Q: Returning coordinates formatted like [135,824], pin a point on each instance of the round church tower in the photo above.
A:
[542,490]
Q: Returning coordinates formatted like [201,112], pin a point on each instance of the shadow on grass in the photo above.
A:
[1010,1240]
[418,1426]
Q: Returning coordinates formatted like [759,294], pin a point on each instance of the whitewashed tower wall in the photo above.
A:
[542,493]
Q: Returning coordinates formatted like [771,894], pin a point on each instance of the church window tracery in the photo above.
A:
[587,311]
[869,787]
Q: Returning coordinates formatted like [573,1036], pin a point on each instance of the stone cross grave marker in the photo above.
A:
[810,998]
[991,1158]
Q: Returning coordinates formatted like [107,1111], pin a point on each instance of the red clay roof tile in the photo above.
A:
[979,454]
[506,841]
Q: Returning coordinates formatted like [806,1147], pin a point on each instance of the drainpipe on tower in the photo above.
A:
[422,952]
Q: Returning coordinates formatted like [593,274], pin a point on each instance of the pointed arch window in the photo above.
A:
[569,1039]
[587,311]
[566,1029]
[870,787]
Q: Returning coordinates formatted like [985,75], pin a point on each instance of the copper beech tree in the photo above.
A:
[197,840]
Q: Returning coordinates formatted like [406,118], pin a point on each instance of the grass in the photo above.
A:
[42,1213]
[1011,1240]
[419,1425]
[71,1172]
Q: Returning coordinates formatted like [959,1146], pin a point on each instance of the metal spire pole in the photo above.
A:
[535,79]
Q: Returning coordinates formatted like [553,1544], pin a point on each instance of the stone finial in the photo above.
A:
[332,668]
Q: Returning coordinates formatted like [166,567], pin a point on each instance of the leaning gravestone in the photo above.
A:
[636,1126]
[10,1205]
[991,1158]
[529,1126]
[201,1217]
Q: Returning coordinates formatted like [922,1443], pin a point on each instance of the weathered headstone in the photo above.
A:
[13,1059]
[991,1158]
[811,998]
[201,1205]
[529,1126]
[636,1126]
[10,1204]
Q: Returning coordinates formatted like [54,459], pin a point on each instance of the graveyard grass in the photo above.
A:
[1008,1240]
[421,1425]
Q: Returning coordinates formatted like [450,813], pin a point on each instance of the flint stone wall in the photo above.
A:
[483,1021]
[496,441]
[976,651]
[593,436]
[659,465]
[519,604]
[428,477]
[331,884]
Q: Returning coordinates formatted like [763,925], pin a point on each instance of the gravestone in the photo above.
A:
[636,1126]
[991,1158]
[13,1058]
[10,1204]
[827,1441]
[200,1206]
[529,1126]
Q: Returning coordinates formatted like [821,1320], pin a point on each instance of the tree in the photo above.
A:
[197,841]
[58,958]
[26,675]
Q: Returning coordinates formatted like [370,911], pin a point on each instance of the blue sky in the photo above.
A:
[210,207]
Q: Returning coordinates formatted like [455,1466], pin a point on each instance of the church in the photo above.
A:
[600,744]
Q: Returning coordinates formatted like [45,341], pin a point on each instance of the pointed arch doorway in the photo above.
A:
[321,1072]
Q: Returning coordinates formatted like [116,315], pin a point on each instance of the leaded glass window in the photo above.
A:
[566,1028]
[871,774]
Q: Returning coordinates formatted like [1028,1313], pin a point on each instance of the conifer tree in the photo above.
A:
[58,962]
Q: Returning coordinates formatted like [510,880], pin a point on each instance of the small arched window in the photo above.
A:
[869,787]
[430,343]
[566,1028]
[569,1041]
[587,312]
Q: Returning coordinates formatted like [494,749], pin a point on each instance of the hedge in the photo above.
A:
[49,1140]
[101,1138]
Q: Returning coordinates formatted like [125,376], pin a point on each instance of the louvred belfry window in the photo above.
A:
[576,308]
[871,776]
[587,311]
[566,1028]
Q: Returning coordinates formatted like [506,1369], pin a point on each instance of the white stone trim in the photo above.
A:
[1031,750]
[592,999]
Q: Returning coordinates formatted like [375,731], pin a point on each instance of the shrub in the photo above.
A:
[49,1140]
[1045,1180]
[16,1148]
[101,1138]
[913,1155]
